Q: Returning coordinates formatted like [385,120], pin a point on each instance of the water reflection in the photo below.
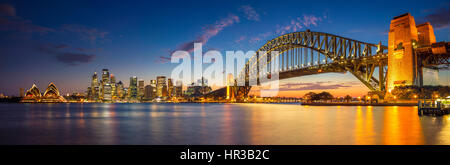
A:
[217,124]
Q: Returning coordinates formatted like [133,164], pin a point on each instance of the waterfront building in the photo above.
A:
[95,88]
[161,88]
[51,95]
[105,80]
[148,92]
[120,92]
[107,93]
[32,95]
[125,93]
[169,88]
[179,89]
[132,91]
[113,87]
[141,89]
[153,84]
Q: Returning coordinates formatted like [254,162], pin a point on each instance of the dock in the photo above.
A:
[432,107]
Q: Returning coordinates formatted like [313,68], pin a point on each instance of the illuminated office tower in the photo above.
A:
[169,87]
[132,91]
[89,93]
[113,87]
[153,84]
[105,80]
[107,90]
[125,92]
[140,89]
[148,92]
[95,88]
[120,93]
[179,88]
[161,88]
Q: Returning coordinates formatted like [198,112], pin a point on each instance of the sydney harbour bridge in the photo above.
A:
[380,68]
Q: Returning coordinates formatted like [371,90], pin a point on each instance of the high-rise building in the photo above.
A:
[148,92]
[153,84]
[179,88]
[161,88]
[95,88]
[140,89]
[125,93]
[169,87]
[113,87]
[133,89]
[120,93]
[107,96]
[105,80]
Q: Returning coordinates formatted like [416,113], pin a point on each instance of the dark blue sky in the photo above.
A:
[66,41]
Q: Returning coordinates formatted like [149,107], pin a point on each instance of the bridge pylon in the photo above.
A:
[403,62]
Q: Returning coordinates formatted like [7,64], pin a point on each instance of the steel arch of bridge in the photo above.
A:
[339,54]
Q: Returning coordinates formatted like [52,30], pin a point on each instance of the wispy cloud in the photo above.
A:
[298,23]
[7,10]
[241,38]
[249,12]
[89,34]
[9,21]
[208,32]
[440,19]
[63,53]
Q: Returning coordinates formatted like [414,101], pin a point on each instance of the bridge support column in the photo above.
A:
[402,62]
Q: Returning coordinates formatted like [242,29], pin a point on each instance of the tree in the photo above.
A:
[310,96]
[325,96]
[348,98]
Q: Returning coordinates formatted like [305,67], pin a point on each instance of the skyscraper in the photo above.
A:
[140,89]
[120,92]
[95,90]
[113,87]
[133,89]
[153,84]
[179,88]
[148,92]
[107,96]
[105,80]
[170,87]
[161,88]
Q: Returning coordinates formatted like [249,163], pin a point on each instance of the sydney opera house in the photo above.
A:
[51,95]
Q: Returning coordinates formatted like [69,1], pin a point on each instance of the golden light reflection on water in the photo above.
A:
[364,126]
[401,126]
[276,124]
[361,125]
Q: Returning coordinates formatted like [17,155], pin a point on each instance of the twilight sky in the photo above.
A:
[66,41]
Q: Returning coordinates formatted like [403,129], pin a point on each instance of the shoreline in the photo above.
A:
[299,103]
[360,104]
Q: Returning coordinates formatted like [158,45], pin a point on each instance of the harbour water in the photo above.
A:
[189,124]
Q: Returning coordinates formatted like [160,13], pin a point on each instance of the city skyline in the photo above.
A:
[139,43]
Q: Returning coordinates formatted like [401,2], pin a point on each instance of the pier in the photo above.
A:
[433,107]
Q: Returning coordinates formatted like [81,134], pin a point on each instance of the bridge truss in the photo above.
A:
[307,53]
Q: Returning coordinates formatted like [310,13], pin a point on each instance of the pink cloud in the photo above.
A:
[249,12]
[208,32]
